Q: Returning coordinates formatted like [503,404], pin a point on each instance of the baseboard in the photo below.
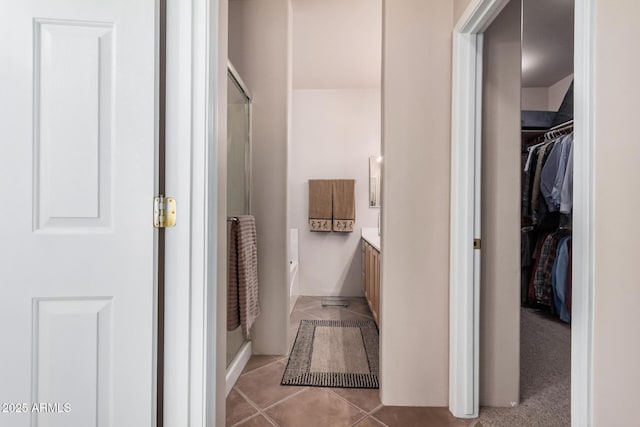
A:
[237,365]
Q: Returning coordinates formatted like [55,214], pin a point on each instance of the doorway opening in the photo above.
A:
[465,262]
[525,359]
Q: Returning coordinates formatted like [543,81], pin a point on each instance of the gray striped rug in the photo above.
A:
[334,353]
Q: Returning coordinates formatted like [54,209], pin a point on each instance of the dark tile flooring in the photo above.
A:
[258,399]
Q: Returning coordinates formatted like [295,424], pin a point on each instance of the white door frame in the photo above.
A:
[466,145]
[194,372]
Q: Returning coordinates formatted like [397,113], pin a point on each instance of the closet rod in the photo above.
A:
[568,123]
[559,130]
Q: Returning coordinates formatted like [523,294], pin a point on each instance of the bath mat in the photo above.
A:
[334,353]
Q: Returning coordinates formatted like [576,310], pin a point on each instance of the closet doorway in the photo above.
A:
[469,382]
[526,186]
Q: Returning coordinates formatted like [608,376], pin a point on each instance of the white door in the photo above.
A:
[77,131]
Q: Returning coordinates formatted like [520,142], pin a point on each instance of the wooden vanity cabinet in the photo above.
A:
[371,278]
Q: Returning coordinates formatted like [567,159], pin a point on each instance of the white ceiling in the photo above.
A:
[337,44]
[547,41]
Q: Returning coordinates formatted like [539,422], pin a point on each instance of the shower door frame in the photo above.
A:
[241,357]
[233,73]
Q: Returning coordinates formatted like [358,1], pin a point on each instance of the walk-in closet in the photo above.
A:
[546,210]
[526,226]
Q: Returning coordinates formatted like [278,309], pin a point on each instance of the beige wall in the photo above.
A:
[500,265]
[616,341]
[459,7]
[258,48]
[339,55]
[416,123]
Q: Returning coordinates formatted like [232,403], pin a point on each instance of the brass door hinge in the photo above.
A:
[164,212]
[476,244]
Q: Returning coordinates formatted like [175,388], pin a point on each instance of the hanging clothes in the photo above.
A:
[541,284]
[548,176]
[535,193]
[547,202]
[569,293]
[528,182]
[566,193]
[553,172]
[559,279]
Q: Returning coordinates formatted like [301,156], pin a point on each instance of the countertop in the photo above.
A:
[371,236]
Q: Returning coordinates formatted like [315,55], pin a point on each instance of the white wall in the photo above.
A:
[535,98]
[546,98]
[333,134]
[557,91]
[259,42]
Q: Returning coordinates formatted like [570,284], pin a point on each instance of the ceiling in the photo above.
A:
[547,41]
[337,44]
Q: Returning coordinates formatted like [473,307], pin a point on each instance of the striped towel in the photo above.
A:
[233,303]
[242,292]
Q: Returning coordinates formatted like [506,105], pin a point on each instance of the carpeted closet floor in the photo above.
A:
[545,376]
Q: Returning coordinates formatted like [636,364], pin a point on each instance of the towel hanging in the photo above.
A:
[320,204]
[344,205]
[243,306]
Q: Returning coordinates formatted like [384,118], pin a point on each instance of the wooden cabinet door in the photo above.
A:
[363,250]
[371,277]
[377,286]
[371,274]
[367,269]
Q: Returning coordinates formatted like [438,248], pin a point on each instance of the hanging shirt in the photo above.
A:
[566,194]
[535,193]
[528,183]
[556,191]
[540,273]
[559,279]
[552,175]
[543,276]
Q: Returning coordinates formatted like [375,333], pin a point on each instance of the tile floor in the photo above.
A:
[259,400]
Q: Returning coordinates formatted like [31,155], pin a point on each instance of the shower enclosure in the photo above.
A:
[238,185]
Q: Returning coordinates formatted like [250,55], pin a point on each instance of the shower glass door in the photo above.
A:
[238,169]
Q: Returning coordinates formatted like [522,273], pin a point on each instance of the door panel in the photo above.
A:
[73,85]
[72,338]
[78,126]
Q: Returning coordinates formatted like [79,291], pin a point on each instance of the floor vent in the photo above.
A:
[335,302]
